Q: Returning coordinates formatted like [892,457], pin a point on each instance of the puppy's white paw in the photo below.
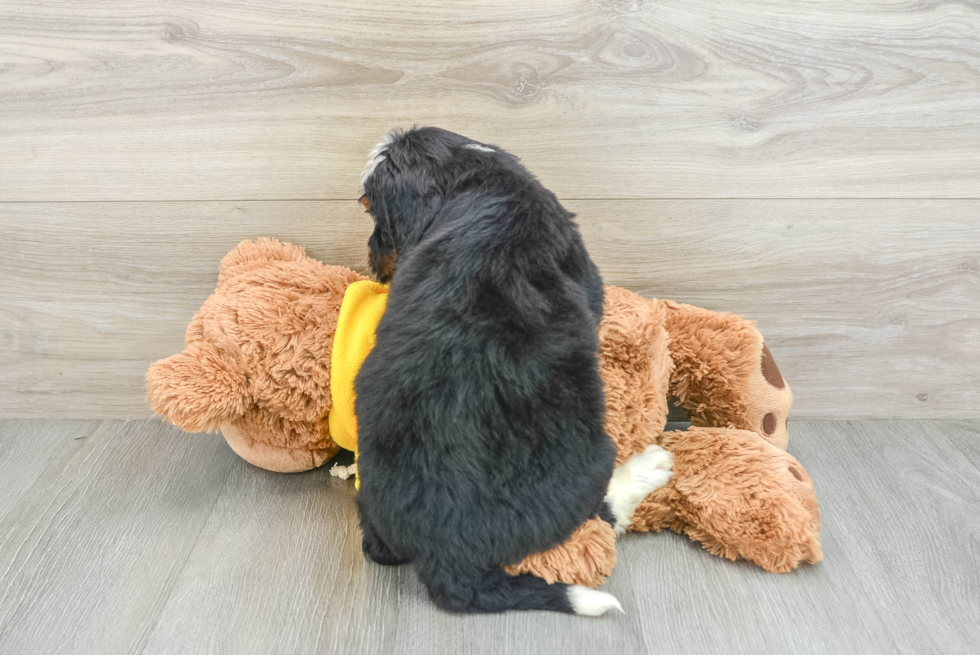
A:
[589,602]
[634,480]
[342,472]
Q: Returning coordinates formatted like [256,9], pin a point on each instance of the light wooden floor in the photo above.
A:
[132,537]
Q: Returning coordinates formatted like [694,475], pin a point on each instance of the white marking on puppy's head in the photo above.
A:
[479,147]
[377,156]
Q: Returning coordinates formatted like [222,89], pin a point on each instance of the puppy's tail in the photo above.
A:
[494,591]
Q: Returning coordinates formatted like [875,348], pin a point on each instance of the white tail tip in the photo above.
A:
[589,602]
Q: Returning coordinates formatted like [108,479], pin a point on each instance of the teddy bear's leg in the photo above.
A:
[739,496]
[724,375]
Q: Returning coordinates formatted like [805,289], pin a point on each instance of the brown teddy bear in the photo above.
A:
[257,366]
[257,359]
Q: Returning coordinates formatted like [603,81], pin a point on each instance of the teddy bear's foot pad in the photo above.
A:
[634,480]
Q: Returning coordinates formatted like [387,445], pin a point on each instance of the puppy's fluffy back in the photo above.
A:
[481,407]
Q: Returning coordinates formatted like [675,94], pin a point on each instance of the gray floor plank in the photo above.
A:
[965,437]
[424,629]
[901,503]
[282,553]
[26,448]
[691,602]
[141,539]
[92,547]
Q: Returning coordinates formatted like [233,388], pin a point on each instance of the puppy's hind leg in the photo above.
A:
[376,549]
[632,481]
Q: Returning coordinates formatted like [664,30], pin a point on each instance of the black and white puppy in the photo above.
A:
[480,410]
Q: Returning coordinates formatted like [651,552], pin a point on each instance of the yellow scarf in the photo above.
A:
[363,305]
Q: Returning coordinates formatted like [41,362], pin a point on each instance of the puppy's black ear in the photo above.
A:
[404,194]
[381,254]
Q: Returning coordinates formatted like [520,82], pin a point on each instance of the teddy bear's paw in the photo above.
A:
[634,480]
[589,602]
[342,472]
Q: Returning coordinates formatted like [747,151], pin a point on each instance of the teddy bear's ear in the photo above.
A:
[196,390]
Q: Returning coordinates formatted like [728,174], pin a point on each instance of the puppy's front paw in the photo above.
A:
[634,480]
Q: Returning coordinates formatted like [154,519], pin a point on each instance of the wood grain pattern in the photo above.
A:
[965,437]
[90,550]
[907,506]
[284,551]
[603,99]
[872,308]
[26,449]
[141,539]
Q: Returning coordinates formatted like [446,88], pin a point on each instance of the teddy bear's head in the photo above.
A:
[257,359]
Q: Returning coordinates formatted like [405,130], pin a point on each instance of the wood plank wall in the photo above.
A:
[814,166]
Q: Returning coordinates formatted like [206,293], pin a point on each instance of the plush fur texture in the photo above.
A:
[738,495]
[720,373]
[636,367]
[587,557]
[481,408]
[257,358]
[735,490]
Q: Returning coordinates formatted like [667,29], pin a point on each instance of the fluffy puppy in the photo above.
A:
[481,408]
